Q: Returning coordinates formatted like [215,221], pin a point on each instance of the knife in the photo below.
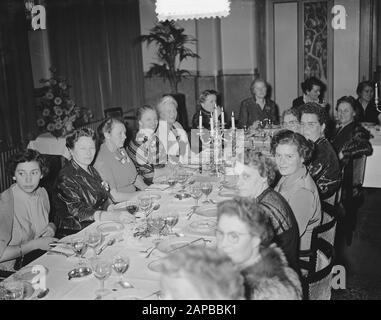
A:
[188,244]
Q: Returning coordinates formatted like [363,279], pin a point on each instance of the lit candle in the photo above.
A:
[222,118]
[200,121]
[376,94]
[215,114]
[233,120]
[211,125]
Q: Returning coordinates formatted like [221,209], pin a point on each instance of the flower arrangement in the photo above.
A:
[57,113]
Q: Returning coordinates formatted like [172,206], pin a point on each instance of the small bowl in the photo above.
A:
[78,273]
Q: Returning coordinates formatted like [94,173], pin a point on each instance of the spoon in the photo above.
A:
[125,284]
[108,244]
[42,293]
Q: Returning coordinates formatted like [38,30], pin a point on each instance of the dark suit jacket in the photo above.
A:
[370,114]
[250,111]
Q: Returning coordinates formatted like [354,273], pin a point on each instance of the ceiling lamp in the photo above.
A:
[191,9]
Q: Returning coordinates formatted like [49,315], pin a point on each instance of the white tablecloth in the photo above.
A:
[372,178]
[46,143]
[144,280]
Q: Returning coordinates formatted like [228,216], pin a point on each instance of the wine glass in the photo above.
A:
[171,181]
[196,193]
[171,220]
[120,265]
[145,202]
[157,225]
[94,238]
[206,189]
[79,246]
[102,271]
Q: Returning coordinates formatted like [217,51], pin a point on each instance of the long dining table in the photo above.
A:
[53,269]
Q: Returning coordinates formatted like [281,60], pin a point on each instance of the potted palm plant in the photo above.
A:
[171,52]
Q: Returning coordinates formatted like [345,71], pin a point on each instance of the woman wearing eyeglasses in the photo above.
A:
[324,166]
[291,150]
[291,120]
[245,234]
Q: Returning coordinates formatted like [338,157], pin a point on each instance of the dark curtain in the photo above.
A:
[17,110]
[93,44]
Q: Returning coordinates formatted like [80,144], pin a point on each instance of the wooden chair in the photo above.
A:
[317,262]
[114,112]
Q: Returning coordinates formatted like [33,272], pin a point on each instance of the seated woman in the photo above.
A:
[351,140]
[365,107]
[196,273]
[81,195]
[258,107]
[245,234]
[206,104]
[324,166]
[113,163]
[171,133]
[146,150]
[291,150]
[255,176]
[24,211]
[291,120]
[312,88]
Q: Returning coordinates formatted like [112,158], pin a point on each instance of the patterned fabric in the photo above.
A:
[147,154]
[78,195]
[251,111]
[284,224]
[324,168]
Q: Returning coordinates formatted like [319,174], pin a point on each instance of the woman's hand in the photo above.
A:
[48,231]
[341,156]
[43,243]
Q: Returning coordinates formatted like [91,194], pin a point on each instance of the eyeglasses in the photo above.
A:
[291,123]
[232,236]
[308,124]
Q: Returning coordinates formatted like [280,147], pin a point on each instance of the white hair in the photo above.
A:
[166,100]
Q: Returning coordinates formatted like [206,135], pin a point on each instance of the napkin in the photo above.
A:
[157,187]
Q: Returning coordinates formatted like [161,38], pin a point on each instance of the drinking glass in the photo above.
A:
[182,178]
[172,181]
[196,193]
[94,238]
[171,220]
[206,189]
[79,246]
[102,271]
[157,225]
[145,203]
[12,290]
[120,265]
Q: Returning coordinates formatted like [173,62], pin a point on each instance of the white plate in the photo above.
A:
[31,272]
[155,196]
[227,193]
[169,245]
[207,211]
[111,226]
[203,227]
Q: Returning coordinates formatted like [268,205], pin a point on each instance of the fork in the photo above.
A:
[149,253]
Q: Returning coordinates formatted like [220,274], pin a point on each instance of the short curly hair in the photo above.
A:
[362,85]
[308,84]
[211,272]
[347,99]
[314,108]
[265,166]
[205,94]
[106,126]
[293,111]
[305,147]
[27,155]
[76,134]
[250,213]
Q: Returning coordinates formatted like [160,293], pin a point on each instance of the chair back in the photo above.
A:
[114,112]
[359,171]
[317,262]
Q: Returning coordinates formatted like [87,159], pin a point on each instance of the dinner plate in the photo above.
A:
[30,273]
[130,206]
[111,226]
[169,245]
[227,193]
[156,265]
[155,196]
[203,227]
[207,210]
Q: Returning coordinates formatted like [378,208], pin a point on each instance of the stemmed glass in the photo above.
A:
[120,265]
[79,246]
[102,271]
[171,220]
[206,189]
[94,238]
[171,181]
[196,193]
[145,203]
[157,224]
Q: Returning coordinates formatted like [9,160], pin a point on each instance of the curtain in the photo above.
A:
[17,110]
[93,44]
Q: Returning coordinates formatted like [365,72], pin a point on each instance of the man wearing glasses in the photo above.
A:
[244,233]
[324,166]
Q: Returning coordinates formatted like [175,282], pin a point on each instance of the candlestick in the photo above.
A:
[211,125]
[200,121]
[233,120]
[376,94]
[215,114]
[222,118]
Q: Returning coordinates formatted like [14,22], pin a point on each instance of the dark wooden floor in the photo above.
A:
[362,259]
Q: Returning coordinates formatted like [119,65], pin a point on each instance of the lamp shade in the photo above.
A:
[191,9]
